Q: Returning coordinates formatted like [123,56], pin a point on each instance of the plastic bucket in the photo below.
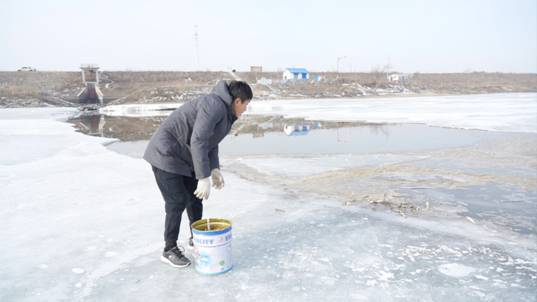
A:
[212,246]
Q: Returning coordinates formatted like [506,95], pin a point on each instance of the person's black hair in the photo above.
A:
[241,90]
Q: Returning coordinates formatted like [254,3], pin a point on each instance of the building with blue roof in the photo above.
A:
[296,74]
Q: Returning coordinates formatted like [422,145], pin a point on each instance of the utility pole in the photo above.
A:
[337,64]
[196,41]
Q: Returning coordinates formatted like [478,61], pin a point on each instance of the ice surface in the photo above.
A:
[34,133]
[56,113]
[458,270]
[306,166]
[139,110]
[513,112]
[83,223]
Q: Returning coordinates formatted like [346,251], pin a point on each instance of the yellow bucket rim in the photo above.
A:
[200,226]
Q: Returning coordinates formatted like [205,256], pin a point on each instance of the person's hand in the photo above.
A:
[217,178]
[203,189]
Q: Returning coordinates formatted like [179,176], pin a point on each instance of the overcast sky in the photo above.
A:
[422,36]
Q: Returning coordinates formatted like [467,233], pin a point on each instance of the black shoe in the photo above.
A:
[175,258]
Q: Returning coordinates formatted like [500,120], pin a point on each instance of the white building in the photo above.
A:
[27,68]
[256,69]
[296,74]
[399,77]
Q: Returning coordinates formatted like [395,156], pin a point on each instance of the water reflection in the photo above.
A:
[306,141]
[120,127]
[93,125]
[295,130]
[141,128]
[266,135]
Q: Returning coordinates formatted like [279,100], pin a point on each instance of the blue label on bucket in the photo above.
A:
[209,241]
[204,241]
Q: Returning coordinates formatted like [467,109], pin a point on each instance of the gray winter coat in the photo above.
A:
[186,143]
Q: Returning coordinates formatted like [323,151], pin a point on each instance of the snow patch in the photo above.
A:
[78,270]
[110,254]
[455,270]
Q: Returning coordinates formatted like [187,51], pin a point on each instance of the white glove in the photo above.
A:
[203,189]
[217,178]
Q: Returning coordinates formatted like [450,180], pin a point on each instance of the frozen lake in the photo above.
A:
[353,209]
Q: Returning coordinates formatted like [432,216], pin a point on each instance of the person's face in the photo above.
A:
[239,107]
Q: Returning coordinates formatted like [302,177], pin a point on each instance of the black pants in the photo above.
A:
[178,193]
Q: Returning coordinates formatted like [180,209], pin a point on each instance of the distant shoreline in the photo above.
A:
[61,88]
